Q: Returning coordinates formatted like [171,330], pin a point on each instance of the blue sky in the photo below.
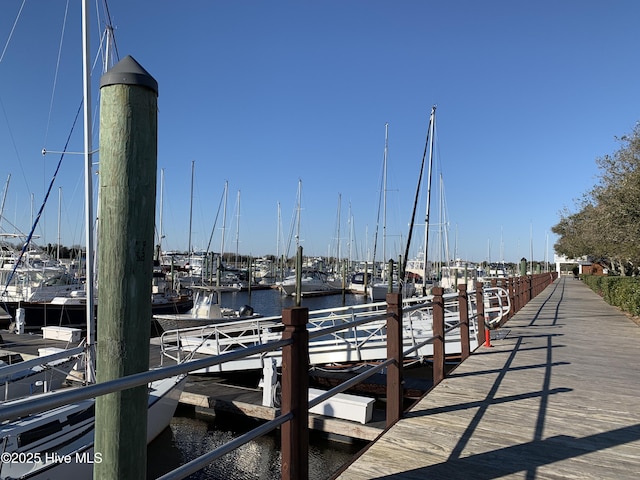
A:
[264,94]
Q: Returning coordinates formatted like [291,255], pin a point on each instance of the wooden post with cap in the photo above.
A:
[463,312]
[438,334]
[395,393]
[295,394]
[128,162]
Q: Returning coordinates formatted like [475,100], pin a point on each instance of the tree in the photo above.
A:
[607,224]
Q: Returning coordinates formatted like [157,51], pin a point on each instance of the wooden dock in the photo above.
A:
[557,397]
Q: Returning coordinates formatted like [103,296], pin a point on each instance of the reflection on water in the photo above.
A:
[191,435]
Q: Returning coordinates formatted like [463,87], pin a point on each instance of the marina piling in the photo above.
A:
[463,308]
[295,396]
[128,161]
[394,350]
[438,335]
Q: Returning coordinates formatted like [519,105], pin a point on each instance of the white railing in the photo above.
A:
[345,334]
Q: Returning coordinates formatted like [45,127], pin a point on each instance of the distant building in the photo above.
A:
[594,269]
[564,266]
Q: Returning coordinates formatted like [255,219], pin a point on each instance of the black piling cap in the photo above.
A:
[129,72]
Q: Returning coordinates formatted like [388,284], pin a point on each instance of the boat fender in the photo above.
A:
[20,321]
[246,311]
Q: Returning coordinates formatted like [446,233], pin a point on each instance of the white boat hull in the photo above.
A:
[310,282]
[69,452]
[378,291]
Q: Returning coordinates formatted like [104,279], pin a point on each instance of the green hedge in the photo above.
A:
[623,292]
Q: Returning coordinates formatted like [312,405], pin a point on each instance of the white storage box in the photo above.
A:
[343,405]
[43,352]
[66,334]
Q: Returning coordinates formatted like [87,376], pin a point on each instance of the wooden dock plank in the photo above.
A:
[558,397]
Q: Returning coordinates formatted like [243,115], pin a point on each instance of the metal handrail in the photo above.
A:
[16,409]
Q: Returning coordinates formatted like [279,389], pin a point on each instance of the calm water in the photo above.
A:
[191,435]
[271,302]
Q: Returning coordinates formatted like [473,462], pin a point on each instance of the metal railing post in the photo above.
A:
[438,335]
[395,394]
[295,394]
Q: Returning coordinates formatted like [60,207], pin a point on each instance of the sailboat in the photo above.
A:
[313,280]
[377,290]
[418,269]
[36,446]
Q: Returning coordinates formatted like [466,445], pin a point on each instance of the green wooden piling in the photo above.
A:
[523,267]
[128,160]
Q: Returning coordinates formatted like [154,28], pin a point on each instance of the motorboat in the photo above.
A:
[206,310]
[312,281]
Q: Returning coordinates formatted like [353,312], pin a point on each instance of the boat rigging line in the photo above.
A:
[215,221]
[6,45]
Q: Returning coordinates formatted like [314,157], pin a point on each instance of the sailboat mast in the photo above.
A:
[279,262]
[108,48]
[88,193]
[160,235]
[338,252]
[432,126]
[384,198]
[238,231]
[224,220]
[531,247]
[444,224]
[191,211]
[59,210]
[298,214]
[350,246]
